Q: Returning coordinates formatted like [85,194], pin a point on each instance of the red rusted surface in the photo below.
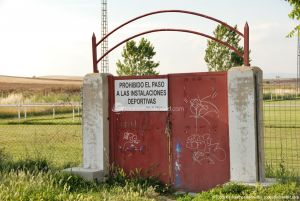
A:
[138,139]
[246,45]
[199,130]
[187,146]
[94,52]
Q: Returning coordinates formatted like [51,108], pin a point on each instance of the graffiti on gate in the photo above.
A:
[131,142]
[202,107]
[177,164]
[203,149]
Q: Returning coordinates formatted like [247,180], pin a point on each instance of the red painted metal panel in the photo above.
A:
[200,141]
[138,139]
[187,146]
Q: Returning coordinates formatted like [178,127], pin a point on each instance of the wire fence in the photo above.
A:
[53,131]
[48,131]
[281,126]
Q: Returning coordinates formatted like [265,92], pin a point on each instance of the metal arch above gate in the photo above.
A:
[245,55]
[173,30]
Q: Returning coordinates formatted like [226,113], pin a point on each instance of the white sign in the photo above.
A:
[141,95]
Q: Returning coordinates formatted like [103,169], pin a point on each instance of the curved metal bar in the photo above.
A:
[174,30]
[171,11]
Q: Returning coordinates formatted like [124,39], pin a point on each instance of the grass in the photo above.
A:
[43,135]
[40,146]
[281,102]
[59,186]
[41,97]
[234,191]
[282,135]
[37,179]
[63,118]
[42,112]
[59,140]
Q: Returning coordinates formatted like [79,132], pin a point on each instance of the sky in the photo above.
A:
[53,37]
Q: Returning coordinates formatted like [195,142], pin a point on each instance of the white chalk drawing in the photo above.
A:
[201,145]
[201,107]
[204,149]
[131,142]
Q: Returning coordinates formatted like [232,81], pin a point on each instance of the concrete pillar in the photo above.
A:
[245,124]
[95,128]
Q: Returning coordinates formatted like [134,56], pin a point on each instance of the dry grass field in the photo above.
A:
[48,89]
[53,83]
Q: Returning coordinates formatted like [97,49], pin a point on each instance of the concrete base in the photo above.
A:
[87,174]
[267,182]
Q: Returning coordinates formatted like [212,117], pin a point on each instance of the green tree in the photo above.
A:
[137,59]
[219,57]
[295,15]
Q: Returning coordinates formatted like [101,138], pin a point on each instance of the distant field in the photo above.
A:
[39,80]
[17,84]
[18,90]
[40,135]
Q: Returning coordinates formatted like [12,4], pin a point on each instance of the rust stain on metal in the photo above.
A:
[180,146]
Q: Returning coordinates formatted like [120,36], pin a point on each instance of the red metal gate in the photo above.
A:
[138,139]
[200,140]
[187,145]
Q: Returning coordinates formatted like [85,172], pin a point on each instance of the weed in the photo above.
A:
[282,174]
[137,180]
[234,191]
[36,186]
[26,165]
[75,183]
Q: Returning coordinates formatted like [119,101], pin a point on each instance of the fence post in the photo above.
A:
[246,45]
[73,114]
[246,124]
[95,128]
[25,112]
[19,111]
[53,110]
[94,51]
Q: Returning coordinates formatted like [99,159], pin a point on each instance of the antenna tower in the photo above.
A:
[104,30]
[298,63]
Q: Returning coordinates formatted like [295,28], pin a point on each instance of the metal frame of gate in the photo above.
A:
[168,144]
[244,55]
[216,149]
